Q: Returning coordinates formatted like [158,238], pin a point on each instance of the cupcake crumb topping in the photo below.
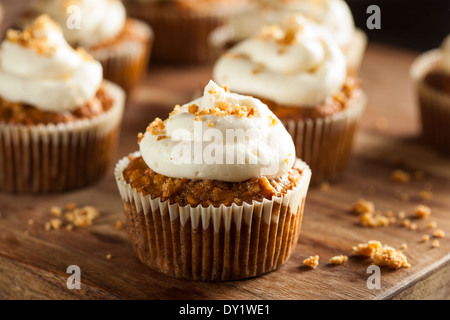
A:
[382,255]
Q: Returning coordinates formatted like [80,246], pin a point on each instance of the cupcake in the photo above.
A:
[182,27]
[59,121]
[215,192]
[333,15]
[431,75]
[300,73]
[122,45]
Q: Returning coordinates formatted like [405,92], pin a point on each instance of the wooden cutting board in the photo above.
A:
[33,262]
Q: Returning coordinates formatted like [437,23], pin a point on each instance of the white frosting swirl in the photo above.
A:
[99,20]
[39,68]
[334,15]
[297,64]
[220,136]
[445,48]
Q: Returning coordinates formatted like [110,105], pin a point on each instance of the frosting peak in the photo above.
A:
[39,68]
[294,63]
[220,136]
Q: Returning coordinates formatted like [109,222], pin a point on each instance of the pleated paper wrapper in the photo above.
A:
[213,243]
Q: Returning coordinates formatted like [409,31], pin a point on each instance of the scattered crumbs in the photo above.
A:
[372,220]
[47,226]
[363,206]
[400,176]
[311,262]
[71,206]
[406,223]
[210,124]
[338,260]
[69,227]
[413,227]
[382,255]
[401,215]
[426,195]
[425,238]
[325,186]
[56,211]
[56,223]
[30,222]
[439,233]
[118,225]
[404,196]
[109,256]
[422,211]
[389,214]
[435,244]
[431,225]
[404,246]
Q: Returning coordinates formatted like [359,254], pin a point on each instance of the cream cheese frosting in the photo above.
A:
[293,64]
[445,49]
[220,136]
[85,23]
[39,68]
[333,15]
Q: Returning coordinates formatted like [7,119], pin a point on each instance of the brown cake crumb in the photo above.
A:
[56,211]
[363,206]
[439,233]
[382,255]
[422,211]
[325,186]
[312,262]
[413,227]
[404,246]
[426,195]
[400,176]
[372,220]
[338,260]
[431,225]
[109,256]
[118,225]
[425,238]
[435,244]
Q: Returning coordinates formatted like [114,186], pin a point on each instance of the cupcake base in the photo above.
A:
[213,243]
[55,158]
[125,60]
[434,105]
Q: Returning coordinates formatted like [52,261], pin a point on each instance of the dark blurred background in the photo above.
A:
[413,24]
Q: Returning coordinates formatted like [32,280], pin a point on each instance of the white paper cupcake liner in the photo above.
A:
[326,143]
[54,158]
[434,105]
[125,62]
[213,243]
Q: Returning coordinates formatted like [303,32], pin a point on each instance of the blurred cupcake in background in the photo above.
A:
[121,44]
[431,75]
[298,70]
[333,15]
[182,27]
[59,120]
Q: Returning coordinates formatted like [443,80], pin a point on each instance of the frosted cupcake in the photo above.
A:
[216,192]
[59,121]
[333,15]
[431,74]
[182,27]
[300,73]
[121,44]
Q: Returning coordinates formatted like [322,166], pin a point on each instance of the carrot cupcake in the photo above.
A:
[300,73]
[59,120]
[431,74]
[216,192]
[182,27]
[333,15]
[121,44]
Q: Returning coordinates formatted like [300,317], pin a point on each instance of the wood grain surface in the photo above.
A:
[33,261]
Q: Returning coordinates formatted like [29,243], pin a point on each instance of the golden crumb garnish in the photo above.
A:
[426,195]
[425,238]
[439,233]
[338,260]
[109,256]
[193,108]
[422,211]
[210,124]
[400,176]
[435,244]
[363,206]
[56,211]
[56,223]
[175,110]
[156,127]
[140,136]
[431,225]
[34,36]
[406,223]
[382,255]
[69,227]
[311,262]
[373,220]
[272,121]
[162,137]
[413,226]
